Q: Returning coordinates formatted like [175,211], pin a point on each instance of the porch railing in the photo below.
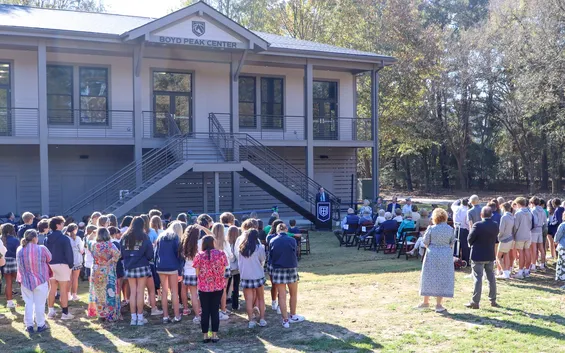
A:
[80,123]
[165,124]
[342,129]
[19,122]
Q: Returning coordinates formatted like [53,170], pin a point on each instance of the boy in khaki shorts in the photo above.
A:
[522,232]
[506,240]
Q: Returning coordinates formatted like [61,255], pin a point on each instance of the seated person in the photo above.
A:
[388,224]
[415,215]
[424,221]
[293,228]
[407,223]
[350,218]
[366,208]
[398,215]
[380,218]
[419,247]
[366,219]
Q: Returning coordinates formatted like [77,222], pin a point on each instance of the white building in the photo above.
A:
[190,111]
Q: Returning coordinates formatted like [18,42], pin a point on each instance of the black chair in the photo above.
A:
[349,235]
[406,245]
[388,238]
[400,241]
[305,242]
[365,240]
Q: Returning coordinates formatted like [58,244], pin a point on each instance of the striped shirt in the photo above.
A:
[33,265]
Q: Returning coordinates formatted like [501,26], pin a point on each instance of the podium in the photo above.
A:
[324,215]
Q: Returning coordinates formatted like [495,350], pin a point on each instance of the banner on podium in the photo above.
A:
[324,212]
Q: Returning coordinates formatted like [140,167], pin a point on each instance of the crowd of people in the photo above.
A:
[148,257]
[501,240]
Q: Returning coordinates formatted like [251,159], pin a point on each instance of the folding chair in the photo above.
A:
[305,242]
[349,234]
[387,239]
[406,244]
[401,242]
[367,241]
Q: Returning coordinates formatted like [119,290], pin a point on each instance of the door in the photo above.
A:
[325,110]
[172,103]
[5,100]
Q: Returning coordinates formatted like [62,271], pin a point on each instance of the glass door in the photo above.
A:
[5,100]
[172,102]
[325,110]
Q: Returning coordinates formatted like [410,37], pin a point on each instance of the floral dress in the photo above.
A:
[104,297]
[438,272]
[560,241]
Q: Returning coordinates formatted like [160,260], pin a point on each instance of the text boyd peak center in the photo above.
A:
[199,42]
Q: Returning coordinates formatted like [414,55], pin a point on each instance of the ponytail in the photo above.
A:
[29,235]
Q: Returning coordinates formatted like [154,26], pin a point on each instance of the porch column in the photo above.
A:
[375,132]
[43,127]
[137,114]
[217,194]
[309,113]
[234,127]
[204,192]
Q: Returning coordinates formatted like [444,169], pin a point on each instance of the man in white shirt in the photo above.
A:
[407,208]
[461,224]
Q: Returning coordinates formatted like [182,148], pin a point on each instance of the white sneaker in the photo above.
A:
[224,316]
[141,321]
[133,321]
[252,324]
[156,311]
[10,304]
[75,298]
[296,318]
[262,323]
[68,316]
[519,275]
[285,324]
[527,273]
[279,310]
[196,319]
[52,314]
[274,305]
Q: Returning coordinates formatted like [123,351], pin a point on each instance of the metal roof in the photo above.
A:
[15,16]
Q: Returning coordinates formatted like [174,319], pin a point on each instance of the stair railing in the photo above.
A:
[242,147]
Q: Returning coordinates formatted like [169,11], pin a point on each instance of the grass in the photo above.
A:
[354,301]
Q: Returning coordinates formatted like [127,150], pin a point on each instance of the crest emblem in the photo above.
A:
[324,211]
[198,28]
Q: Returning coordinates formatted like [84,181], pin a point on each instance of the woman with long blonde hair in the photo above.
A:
[220,243]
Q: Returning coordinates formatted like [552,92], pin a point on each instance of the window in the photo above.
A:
[60,94]
[325,110]
[5,100]
[247,100]
[93,96]
[172,102]
[272,103]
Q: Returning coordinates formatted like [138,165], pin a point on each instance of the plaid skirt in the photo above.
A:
[138,272]
[269,268]
[284,275]
[227,273]
[189,280]
[252,283]
[11,265]
[77,267]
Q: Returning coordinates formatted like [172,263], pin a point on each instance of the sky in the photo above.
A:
[145,8]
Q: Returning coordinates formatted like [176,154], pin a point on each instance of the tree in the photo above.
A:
[79,5]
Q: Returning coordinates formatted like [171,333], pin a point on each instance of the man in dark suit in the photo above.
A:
[322,196]
[482,240]
[393,205]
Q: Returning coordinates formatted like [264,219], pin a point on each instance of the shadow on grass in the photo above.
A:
[553,318]
[507,324]
[539,287]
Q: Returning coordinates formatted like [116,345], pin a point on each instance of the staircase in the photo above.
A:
[214,151]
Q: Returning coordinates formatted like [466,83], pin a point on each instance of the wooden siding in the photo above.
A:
[19,173]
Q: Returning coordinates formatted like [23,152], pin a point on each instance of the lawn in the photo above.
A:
[354,301]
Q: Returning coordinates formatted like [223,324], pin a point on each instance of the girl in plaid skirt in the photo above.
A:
[11,268]
[250,259]
[188,250]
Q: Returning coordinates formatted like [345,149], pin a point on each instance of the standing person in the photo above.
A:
[322,195]
[555,220]
[284,273]
[539,220]
[522,236]
[233,234]
[272,234]
[188,250]
[154,282]
[560,241]
[78,250]
[137,251]
[222,244]
[474,213]
[61,264]
[157,225]
[482,240]
[42,229]
[103,281]
[28,219]
[11,243]
[168,262]
[250,259]
[94,218]
[210,265]
[126,222]
[506,240]
[33,274]
[89,236]
[116,235]
[438,273]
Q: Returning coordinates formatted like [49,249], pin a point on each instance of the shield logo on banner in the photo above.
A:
[323,212]
[198,28]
